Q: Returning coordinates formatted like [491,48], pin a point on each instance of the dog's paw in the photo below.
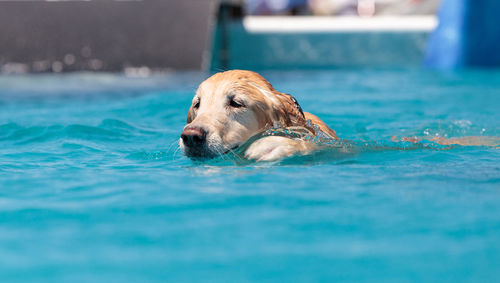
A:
[274,148]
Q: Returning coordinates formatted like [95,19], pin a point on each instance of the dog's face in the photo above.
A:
[231,107]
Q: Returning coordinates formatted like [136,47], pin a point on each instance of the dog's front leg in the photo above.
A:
[275,147]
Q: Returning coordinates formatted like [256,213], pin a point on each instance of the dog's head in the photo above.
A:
[231,107]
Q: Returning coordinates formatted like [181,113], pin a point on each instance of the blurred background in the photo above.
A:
[364,8]
[140,37]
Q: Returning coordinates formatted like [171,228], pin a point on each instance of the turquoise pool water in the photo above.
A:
[94,188]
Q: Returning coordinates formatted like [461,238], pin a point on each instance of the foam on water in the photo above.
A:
[95,188]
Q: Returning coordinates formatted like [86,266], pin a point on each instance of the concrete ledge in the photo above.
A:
[42,36]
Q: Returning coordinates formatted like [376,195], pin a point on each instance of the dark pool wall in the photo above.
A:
[41,36]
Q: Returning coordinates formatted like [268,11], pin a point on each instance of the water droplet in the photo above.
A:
[57,67]
[69,59]
[95,64]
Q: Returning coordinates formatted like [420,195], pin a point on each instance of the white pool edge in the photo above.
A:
[344,24]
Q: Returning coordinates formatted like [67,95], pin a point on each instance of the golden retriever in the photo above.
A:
[231,107]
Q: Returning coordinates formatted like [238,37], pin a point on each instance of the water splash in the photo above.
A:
[331,150]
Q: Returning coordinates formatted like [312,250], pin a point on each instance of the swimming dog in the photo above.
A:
[231,107]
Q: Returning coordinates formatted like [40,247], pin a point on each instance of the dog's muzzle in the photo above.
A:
[194,137]
[194,140]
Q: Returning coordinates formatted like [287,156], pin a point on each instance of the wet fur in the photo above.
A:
[267,107]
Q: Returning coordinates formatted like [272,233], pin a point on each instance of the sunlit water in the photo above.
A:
[95,189]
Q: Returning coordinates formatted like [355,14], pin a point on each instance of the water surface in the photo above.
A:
[94,188]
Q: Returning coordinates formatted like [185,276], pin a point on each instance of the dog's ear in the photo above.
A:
[288,111]
[190,116]
[285,110]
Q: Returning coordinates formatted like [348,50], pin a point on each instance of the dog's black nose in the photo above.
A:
[193,136]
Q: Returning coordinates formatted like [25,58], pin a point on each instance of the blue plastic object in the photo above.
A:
[468,35]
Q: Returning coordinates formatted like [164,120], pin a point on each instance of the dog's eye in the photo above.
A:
[196,105]
[234,103]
